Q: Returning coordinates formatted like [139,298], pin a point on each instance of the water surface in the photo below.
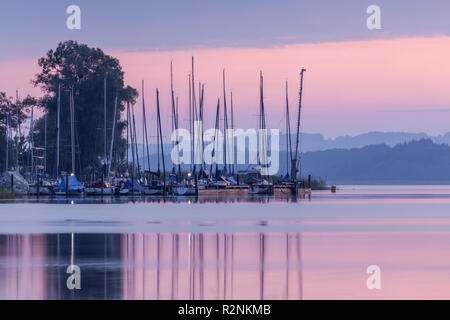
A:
[222,248]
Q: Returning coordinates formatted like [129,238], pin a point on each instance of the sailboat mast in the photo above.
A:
[143,126]
[112,136]
[130,129]
[45,145]
[31,146]
[201,121]
[263,133]
[144,131]
[295,162]
[194,113]
[72,128]
[225,120]
[135,141]
[58,116]
[104,122]
[190,123]
[216,143]
[157,137]
[17,130]
[174,111]
[232,130]
[160,137]
[7,142]
[176,124]
[288,132]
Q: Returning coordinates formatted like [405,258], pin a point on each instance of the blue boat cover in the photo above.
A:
[74,185]
[286,178]
[137,187]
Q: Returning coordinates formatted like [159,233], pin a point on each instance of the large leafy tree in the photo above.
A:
[16,112]
[83,69]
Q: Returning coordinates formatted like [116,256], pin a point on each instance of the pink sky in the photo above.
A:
[350,87]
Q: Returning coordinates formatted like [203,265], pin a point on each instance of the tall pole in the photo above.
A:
[232,130]
[216,144]
[144,130]
[32,138]
[72,129]
[262,126]
[190,122]
[135,140]
[194,113]
[58,115]
[104,123]
[7,142]
[201,120]
[112,136]
[160,138]
[295,161]
[288,132]
[128,129]
[45,143]
[143,126]
[174,111]
[177,125]
[225,120]
[17,128]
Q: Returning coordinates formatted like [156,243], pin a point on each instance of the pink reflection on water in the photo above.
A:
[310,265]
[212,266]
[413,265]
[23,276]
[294,266]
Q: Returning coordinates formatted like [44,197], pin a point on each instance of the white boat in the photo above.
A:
[99,191]
[183,189]
[202,184]
[154,191]
[220,183]
[261,188]
[43,190]
[20,184]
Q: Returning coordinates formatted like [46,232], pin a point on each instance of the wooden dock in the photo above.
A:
[243,189]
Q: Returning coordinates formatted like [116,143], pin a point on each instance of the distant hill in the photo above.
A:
[417,162]
[413,160]
[316,142]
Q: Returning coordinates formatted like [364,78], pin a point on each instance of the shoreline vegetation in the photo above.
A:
[319,184]
[5,194]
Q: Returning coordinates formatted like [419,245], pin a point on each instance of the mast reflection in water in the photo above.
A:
[152,266]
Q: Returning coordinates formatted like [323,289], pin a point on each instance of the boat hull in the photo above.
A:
[183,191]
[43,191]
[154,191]
[260,189]
[99,191]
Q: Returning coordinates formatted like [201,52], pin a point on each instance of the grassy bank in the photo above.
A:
[5,193]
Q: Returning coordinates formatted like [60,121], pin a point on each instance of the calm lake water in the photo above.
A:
[240,248]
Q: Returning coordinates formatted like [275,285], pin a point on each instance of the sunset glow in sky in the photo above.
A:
[395,79]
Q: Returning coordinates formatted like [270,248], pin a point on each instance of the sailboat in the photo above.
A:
[131,186]
[36,177]
[69,184]
[154,186]
[102,187]
[185,187]
[261,186]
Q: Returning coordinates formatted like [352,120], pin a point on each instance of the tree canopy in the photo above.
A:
[13,112]
[77,67]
